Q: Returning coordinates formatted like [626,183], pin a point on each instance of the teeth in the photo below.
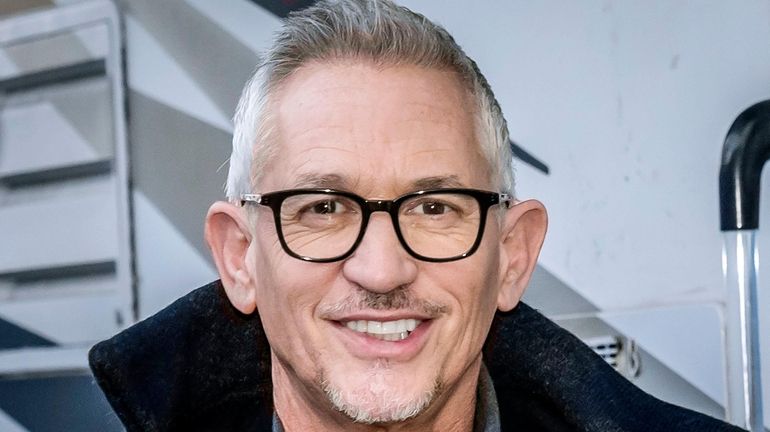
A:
[375,327]
[411,324]
[387,327]
[385,330]
[400,326]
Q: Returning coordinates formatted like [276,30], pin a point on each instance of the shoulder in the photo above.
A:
[196,365]
[547,379]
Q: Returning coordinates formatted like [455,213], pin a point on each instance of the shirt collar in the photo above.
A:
[487,415]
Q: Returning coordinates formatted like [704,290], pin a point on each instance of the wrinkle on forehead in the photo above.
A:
[316,83]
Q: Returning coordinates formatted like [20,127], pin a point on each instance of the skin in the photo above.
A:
[380,133]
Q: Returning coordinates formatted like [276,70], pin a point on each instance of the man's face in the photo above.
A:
[379,133]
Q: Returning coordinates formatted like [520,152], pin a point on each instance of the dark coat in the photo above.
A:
[200,365]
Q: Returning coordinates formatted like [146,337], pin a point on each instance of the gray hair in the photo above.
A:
[375,30]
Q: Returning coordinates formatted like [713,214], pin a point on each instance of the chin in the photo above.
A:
[378,394]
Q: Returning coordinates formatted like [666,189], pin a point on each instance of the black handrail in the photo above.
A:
[746,149]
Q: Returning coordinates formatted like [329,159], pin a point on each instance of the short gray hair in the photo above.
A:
[373,30]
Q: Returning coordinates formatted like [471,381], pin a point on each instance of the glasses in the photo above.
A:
[325,225]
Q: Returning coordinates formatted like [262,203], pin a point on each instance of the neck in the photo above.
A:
[302,407]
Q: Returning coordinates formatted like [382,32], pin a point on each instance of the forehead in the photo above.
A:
[373,130]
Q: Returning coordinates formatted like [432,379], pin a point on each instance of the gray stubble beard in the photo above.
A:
[382,412]
[350,405]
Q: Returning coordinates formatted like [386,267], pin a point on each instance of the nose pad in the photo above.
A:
[380,263]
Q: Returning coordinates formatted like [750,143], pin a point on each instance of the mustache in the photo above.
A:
[400,298]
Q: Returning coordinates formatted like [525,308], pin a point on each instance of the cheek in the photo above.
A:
[285,293]
[479,302]
[470,287]
[288,293]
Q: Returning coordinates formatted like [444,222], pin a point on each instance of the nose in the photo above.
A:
[380,263]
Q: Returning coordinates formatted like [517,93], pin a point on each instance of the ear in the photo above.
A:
[228,236]
[522,236]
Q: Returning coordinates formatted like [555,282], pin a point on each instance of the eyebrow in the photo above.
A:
[437,182]
[341,182]
[322,181]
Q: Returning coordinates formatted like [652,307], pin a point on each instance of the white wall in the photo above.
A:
[628,102]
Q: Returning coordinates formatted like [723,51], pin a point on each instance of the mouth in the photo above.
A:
[397,338]
[391,331]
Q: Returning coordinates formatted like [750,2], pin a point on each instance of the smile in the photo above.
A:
[384,330]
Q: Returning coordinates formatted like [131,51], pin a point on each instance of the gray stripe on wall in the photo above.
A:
[90,113]
[216,61]
[10,7]
[553,297]
[175,159]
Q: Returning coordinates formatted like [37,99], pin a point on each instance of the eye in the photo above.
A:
[431,208]
[439,206]
[328,206]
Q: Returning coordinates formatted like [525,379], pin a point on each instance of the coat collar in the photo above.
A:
[199,364]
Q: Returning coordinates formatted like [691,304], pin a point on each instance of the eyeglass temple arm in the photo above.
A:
[505,200]
[251,198]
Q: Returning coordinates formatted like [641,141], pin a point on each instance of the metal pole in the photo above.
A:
[744,391]
[745,151]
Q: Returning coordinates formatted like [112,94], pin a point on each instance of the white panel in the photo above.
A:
[21,132]
[686,339]
[51,20]
[153,72]
[60,231]
[95,40]
[167,265]
[77,119]
[36,360]
[7,424]
[44,289]
[26,146]
[7,66]
[70,320]
[63,49]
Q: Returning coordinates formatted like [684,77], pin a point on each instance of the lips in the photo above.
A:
[384,330]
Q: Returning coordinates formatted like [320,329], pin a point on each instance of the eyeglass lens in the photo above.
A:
[322,226]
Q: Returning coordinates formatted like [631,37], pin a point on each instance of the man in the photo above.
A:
[372,225]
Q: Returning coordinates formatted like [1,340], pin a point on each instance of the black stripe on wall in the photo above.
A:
[281,8]
[59,403]
[13,336]
[527,158]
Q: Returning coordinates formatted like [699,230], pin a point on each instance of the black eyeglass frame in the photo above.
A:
[274,200]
